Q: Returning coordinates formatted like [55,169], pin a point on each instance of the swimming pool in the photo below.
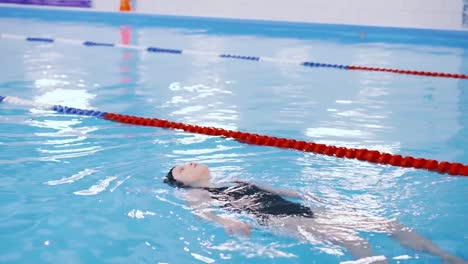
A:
[79,189]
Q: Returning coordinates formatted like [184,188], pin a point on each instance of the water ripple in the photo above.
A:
[73,178]
[251,249]
[97,188]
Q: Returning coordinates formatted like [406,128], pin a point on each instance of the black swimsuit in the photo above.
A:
[258,202]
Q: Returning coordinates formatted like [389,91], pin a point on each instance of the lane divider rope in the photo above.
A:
[373,156]
[238,57]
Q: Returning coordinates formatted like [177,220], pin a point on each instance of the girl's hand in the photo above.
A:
[238,228]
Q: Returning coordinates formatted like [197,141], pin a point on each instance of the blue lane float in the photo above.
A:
[324,65]
[34,39]
[57,108]
[230,56]
[77,111]
[161,50]
[92,43]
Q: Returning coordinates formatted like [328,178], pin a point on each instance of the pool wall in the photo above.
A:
[430,14]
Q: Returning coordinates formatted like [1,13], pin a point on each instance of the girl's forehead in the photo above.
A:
[175,170]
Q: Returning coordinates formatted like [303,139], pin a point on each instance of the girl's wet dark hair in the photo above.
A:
[171,181]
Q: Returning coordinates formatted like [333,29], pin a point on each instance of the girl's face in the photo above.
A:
[191,172]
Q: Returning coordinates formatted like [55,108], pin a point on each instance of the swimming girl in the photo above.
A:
[270,209]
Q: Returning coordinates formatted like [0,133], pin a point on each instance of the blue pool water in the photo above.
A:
[83,190]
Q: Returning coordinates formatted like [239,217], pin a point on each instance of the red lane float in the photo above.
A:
[373,156]
[410,72]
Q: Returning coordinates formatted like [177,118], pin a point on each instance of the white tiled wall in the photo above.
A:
[106,5]
[441,14]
